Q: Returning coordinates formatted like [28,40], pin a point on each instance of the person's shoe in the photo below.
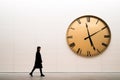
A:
[42,75]
[31,74]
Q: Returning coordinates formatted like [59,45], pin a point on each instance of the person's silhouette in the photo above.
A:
[38,63]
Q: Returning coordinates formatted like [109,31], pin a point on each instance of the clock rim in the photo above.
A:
[93,17]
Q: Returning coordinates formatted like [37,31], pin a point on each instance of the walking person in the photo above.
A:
[38,63]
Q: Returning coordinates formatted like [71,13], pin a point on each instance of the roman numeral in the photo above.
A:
[72,28]
[104,44]
[88,19]
[69,36]
[98,51]
[78,20]
[97,21]
[106,36]
[72,45]
[79,51]
[88,53]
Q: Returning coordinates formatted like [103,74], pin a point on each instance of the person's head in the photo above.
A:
[38,48]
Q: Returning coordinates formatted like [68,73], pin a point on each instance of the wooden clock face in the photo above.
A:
[88,36]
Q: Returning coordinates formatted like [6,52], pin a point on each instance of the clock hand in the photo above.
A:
[90,37]
[95,33]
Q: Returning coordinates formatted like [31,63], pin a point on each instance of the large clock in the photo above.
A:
[88,36]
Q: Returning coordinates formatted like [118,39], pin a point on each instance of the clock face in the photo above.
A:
[88,36]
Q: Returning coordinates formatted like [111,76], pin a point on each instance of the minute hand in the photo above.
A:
[95,33]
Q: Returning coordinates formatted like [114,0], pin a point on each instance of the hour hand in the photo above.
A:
[91,42]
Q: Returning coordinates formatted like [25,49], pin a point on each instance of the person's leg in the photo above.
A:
[32,72]
[41,72]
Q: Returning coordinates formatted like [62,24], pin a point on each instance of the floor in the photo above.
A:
[61,76]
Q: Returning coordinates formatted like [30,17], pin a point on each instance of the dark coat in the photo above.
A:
[38,60]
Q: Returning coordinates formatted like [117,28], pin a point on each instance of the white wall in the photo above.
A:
[25,24]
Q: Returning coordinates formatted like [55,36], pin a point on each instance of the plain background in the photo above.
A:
[26,24]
